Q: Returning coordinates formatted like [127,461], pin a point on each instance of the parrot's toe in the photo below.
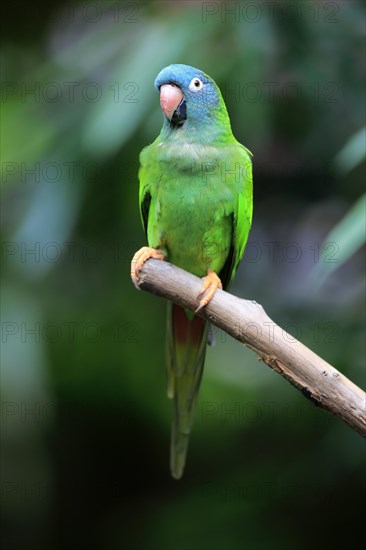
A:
[140,258]
[210,283]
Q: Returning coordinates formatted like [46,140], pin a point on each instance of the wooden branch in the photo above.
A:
[247,322]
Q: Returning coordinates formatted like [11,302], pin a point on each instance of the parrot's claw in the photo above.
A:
[211,282]
[135,281]
[140,258]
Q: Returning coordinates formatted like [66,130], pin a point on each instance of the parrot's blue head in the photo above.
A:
[190,96]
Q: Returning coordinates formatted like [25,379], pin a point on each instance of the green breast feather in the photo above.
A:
[196,204]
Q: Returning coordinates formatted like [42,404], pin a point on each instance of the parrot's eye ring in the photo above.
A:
[195,85]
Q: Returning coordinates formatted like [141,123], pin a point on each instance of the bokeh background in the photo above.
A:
[85,418]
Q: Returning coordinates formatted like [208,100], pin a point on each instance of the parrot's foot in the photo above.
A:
[212,283]
[140,258]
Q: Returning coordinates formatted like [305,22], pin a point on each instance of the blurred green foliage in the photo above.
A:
[84,413]
[349,234]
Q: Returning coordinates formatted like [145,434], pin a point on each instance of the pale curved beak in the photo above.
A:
[170,98]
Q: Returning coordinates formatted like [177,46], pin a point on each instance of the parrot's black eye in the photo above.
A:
[195,85]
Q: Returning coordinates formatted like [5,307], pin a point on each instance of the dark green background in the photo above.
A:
[85,418]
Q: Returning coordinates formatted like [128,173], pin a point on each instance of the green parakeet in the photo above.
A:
[196,209]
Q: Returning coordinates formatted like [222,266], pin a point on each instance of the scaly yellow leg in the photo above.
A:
[140,258]
[211,283]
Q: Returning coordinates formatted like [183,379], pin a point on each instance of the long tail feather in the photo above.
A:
[186,350]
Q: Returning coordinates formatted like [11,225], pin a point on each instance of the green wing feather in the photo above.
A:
[241,215]
[144,192]
[244,211]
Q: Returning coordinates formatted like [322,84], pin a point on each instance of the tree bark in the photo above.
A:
[247,322]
